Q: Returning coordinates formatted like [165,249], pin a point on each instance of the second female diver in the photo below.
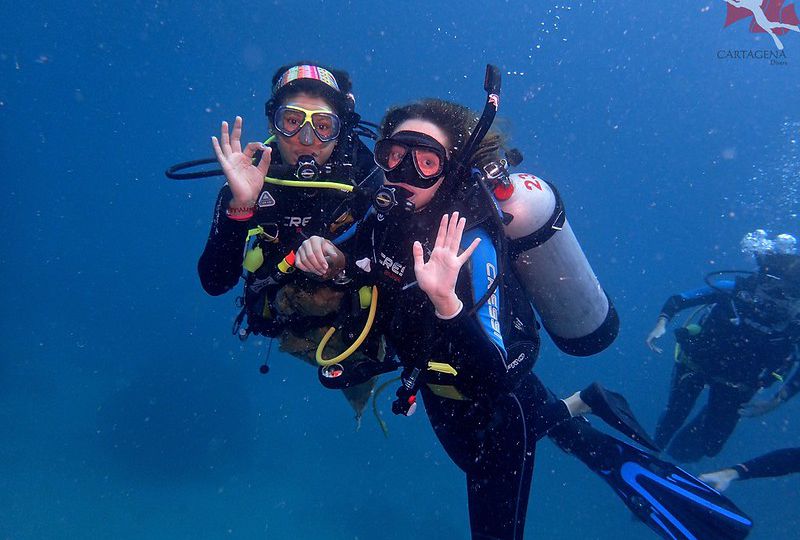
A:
[430,247]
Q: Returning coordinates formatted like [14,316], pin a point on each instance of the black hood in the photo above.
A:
[785,267]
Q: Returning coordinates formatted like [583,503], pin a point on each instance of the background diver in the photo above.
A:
[742,337]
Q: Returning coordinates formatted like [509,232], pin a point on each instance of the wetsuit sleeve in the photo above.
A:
[220,265]
[696,297]
[475,341]
[777,463]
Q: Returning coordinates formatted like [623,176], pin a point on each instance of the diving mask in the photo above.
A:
[289,120]
[412,158]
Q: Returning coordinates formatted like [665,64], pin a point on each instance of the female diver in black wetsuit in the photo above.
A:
[471,359]
[315,134]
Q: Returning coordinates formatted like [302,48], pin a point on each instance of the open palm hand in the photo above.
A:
[437,277]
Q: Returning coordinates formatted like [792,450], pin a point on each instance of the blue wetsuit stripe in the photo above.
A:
[725,285]
[696,297]
[484,272]
[349,233]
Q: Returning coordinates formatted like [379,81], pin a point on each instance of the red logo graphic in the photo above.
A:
[768,16]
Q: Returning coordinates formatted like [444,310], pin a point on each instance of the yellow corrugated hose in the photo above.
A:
[373,307]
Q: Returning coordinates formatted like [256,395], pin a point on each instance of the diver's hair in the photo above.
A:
[455,120]
[341,101]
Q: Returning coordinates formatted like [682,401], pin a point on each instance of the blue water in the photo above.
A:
[127,410]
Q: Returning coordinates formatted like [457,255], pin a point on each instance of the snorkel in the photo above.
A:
[491,84]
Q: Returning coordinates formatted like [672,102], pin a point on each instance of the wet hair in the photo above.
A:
[342,101]
[455,120]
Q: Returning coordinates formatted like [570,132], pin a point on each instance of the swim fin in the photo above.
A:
[670,501]
[614,410]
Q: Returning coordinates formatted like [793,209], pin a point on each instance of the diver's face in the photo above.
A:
[305,142]
[777,289]
[422,196]
[780,300]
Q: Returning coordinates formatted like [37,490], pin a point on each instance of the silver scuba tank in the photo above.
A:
[553,269]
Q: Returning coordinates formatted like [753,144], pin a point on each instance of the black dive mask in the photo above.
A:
[412,158]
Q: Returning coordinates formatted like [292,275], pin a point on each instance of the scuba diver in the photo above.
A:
[777,463]
[457,314]
[313,176]
[741,338]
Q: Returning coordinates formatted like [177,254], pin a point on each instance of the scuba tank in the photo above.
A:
[553,270]
[549,261]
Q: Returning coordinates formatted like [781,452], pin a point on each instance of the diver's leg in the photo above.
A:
[499,483]
[498,487]
[689,445]
[543,410]
[611,407]
[722,414]
[494,445]
[707,432]
[685,386]
[581,439]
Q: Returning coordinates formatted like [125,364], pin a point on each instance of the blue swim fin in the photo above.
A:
[672,502]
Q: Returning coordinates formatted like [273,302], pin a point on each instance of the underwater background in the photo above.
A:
[127,408]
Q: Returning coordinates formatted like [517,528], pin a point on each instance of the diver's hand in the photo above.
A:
[319,256]
[437,277]
[658,330]
[720,480]
[244,178]
[759,407]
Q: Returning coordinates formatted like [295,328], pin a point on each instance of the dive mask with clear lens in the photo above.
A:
[289,120]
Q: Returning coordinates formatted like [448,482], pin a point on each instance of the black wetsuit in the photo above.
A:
[744,342]
[287,215]
[490,414]
[777,463]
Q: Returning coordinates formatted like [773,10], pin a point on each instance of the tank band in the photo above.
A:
[593,343]
[554,224]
